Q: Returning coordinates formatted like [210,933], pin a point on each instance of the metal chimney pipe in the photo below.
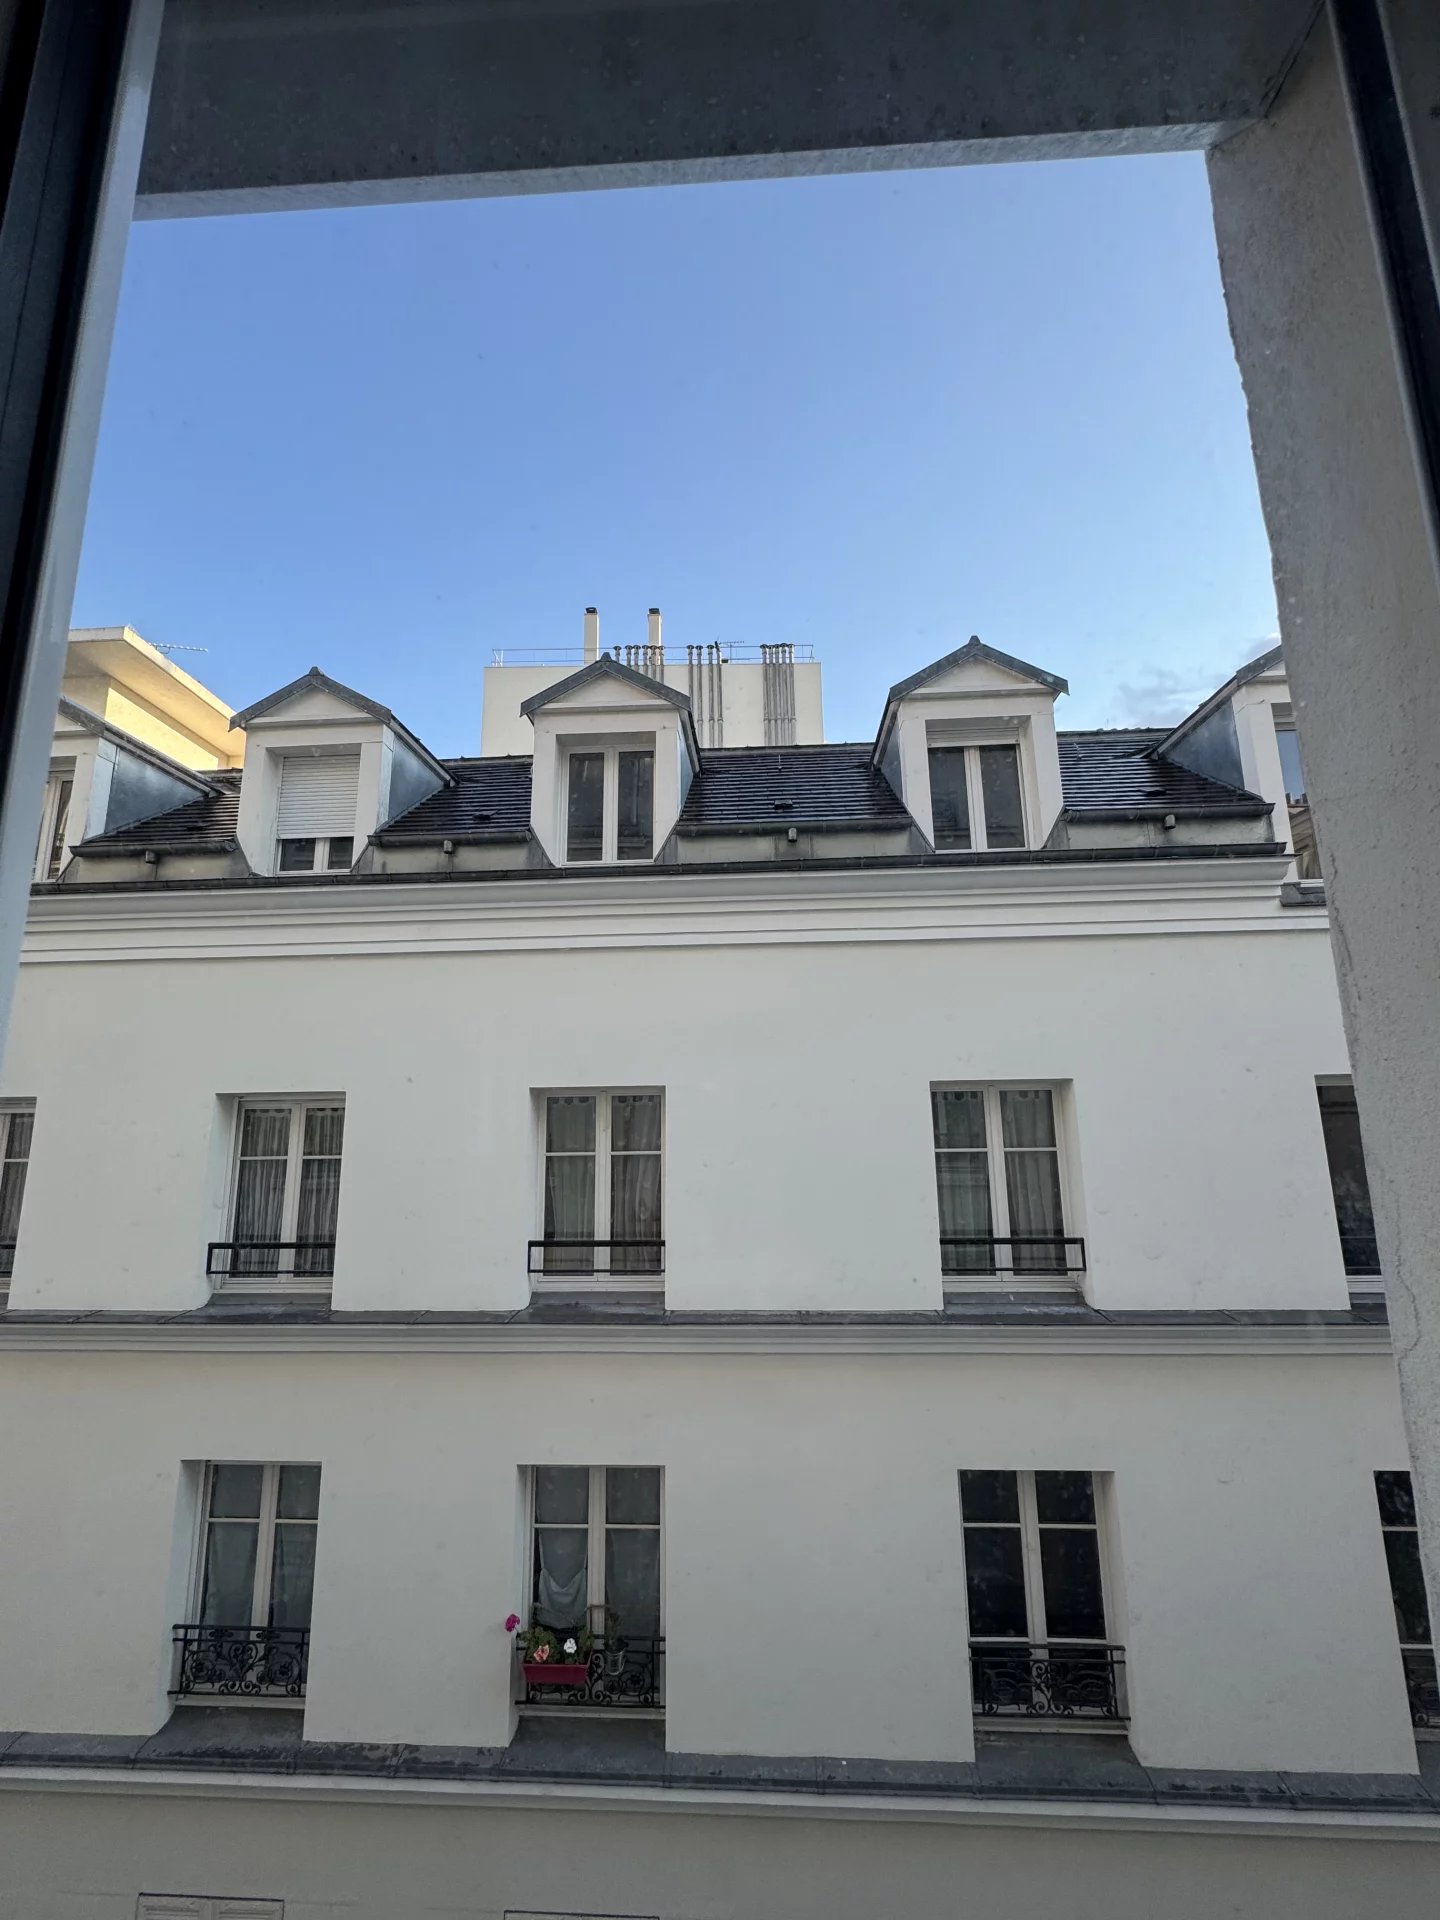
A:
[654,640]
[592,635]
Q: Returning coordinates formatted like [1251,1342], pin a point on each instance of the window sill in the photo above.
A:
[1050,1729]
[652,1286]
[245,1702]
[305,1286]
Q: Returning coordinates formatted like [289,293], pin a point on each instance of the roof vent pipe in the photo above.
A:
[592,635]
[653,640]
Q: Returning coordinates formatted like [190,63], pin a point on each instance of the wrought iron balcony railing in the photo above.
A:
[585,1258]
[241,1662]
[1058,1681]
[1360,1253]
[624,1671]
[1026,1254]
[1422,1685]
[270,1259]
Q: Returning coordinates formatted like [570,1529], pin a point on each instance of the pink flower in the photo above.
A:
[542,1652]
[512,1620]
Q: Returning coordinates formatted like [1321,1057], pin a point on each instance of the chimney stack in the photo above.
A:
[654,636]
[592,635]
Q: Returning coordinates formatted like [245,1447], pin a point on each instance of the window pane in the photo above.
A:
[292,1575]
[1065,1497]
[1000,791]
[341,852]
[297,856]
[1070,1574]
[632,1579]
[299,1493]
[62,822]
[635,1122]
[1349,1181]
[235,1493]
[995,1582]
[570,1123]
[1397,1499]
[264,1132]
[958,1115]
[316,1217]
[570,1197]
[259,1211]
[324,1129]
[228,1598]
[962,1182]
[635,1212]
[632,1495]
[637,806]
[1027,1116]
[1032,1186]
[1288,742]
[949,806]
[12,1194]
[562,1494]
[585,807]
[18,1135]
[989,1496]
[560,1593]
[1407,1586]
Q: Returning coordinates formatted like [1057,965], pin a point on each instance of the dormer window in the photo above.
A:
[975,798]
[54,826]
[315,812]
[610,804]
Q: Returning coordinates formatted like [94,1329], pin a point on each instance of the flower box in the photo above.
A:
[555,1673]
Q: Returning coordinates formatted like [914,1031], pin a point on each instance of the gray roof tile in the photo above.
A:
[749,788]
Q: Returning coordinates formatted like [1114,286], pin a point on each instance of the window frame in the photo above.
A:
[1030,1527]
[1018,1280]
[596,1527]
[1364,1282]
[8,1111]
[51,848]
[609,749]
[569,1282]
[1428,1647]
[320,862]
[266,1522]
[298,1104]
[936,742]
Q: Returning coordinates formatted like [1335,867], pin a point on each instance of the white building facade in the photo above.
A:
[662,1329]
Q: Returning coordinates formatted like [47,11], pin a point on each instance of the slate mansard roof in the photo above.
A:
[738,790]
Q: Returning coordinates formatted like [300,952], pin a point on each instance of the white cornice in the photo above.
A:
[1173,1340]
[968,1810]
[669,909]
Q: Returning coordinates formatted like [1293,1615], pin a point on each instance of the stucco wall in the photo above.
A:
[811,1534]
[799,1155]
[376,1863]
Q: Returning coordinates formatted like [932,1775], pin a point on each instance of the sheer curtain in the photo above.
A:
[260,1188]
[319,1201]
[569,1182]
[1032,1178]
[562,1546]
[962,1180]
[635,1181]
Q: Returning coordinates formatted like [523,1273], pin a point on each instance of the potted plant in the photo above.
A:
[552,1656]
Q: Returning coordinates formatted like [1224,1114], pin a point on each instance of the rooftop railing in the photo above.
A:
[575,656]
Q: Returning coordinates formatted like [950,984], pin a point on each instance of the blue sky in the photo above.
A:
[871,413]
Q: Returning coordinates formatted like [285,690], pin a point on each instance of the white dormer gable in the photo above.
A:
[324,768]
[593,792]
[973,699]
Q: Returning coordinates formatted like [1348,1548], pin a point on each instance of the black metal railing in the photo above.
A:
[1360,1253]
[624,1671]
[1026,1254]
[270,1259]
[588,1257]
[1422,1685]
[241,1662]
[1058,1681]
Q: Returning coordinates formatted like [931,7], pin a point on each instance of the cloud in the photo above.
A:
[1159,697]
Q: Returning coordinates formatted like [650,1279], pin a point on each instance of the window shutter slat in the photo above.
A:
[317,795]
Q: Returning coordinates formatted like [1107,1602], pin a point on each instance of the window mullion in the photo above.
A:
[265,1546]
[602,1166]
[290,1213]
[596,1556]
[995,1160]
[1030,1552]
[610,809]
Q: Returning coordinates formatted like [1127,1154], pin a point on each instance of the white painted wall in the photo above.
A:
[812,1535]
[796,1024]
[377,1862]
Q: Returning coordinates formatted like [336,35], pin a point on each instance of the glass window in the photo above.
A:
[17,1125]
[601,1190]
[1407,1593]
[258,1556]
[1288,742]
[1000,791]
[585,807]
[1032,1557]
[1349,1181]
[998,1183]
[976,799]
[297,856]
[636,830]
[596,1553]
[287,1190]
[949,798]
[54,827]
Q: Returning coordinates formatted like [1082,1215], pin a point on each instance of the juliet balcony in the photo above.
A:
[240,1663]
[1067,1682]
[617,1673]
